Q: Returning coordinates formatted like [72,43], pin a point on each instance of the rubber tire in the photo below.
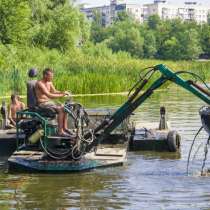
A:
[173,141]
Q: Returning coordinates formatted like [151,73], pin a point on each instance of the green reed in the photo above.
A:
[80,72]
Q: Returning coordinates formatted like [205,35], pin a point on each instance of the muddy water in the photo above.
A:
[149,180]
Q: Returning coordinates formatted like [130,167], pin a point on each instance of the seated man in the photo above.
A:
[45,92]
[15,106]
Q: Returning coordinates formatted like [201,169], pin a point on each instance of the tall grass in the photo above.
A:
[81,72]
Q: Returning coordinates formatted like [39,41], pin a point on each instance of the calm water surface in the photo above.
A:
[149,180]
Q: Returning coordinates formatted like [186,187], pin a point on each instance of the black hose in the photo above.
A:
[142,70]
[196,76]
[141,78]
[188,159]
[194,156]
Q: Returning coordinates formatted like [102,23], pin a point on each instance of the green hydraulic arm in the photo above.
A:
[137,99]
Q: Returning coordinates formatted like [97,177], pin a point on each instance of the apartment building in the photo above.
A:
[189,11]
[109,12]
[104,11]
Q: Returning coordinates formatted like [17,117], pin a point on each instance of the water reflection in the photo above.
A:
[90,189]
[149,180]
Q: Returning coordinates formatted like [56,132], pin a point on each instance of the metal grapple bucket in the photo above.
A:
[205,118]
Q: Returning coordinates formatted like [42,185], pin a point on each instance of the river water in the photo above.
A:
[148,180]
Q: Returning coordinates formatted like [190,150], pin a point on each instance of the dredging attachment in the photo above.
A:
[205,118]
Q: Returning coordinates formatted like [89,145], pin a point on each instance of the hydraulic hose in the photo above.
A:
[188,159]
[141,78]
[195,76]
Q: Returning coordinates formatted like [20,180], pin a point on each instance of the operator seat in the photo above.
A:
[31,95]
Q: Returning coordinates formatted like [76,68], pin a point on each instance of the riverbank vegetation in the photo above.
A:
[88,58]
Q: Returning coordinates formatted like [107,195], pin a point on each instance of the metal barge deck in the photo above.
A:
[34,161]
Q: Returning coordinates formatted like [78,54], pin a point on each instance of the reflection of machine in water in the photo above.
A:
[83,150]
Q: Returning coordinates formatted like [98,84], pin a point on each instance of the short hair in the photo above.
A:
[13,96]
[45,71]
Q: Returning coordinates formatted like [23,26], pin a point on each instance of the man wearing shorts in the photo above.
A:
[45,93]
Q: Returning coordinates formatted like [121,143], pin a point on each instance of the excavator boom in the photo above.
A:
[135,100]
[188,85]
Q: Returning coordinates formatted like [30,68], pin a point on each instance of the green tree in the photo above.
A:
[171,49]
[178,36]
[208,19]
[162,33]
[98,32]
[149,45]
[128,40]
[205,39]
[190,45]
[57,24]
[153,22]
[15,21]
[123,16]
[185,47]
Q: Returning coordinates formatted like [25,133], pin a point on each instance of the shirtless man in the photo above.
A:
[15,106]
[45,93]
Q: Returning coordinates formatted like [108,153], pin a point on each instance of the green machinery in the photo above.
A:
[88,139]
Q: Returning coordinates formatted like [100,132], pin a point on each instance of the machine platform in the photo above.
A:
[33,161]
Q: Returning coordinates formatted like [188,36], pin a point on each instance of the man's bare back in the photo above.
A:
[14,107]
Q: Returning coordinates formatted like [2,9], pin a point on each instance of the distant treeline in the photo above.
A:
[156,38]
[88,58]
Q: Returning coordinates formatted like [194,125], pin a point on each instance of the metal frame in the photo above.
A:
[24,114]
[29,115]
